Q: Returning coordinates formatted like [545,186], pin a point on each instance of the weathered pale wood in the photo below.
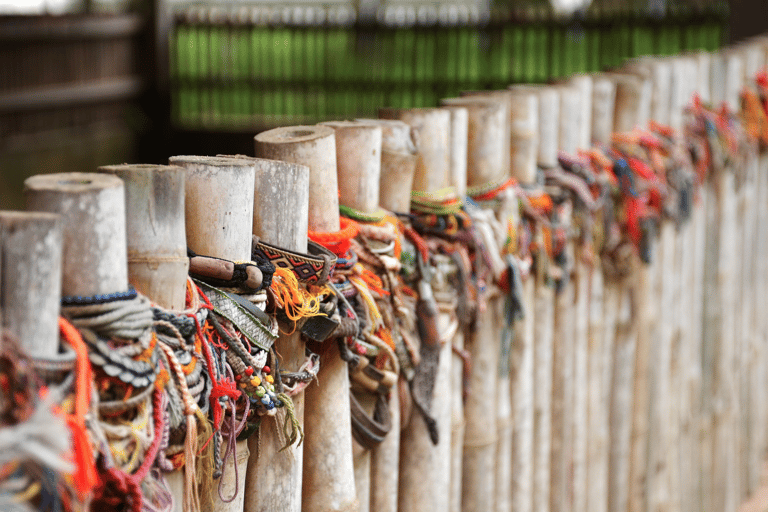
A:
[328,472]
[431,127]
[398,163]
[524,135]
[633,101]
[759,335]
[424,479]
[621,333]
[548,126]
[157,247]
[600,348]
[457,424]
[734,78]
[603,102]
[570,111]
[487,138]
[678,97]
[480,434]
[561,458]
[544,311]
[703,62]
[315,147]
[578,486]
[385,459]
[219,220]
[522,381]
[30,290]
[720,455]
[658,71]
[92,207]
[459,147]
[584,84]
[360,167]
[503,97]
[280,206]
[663,442]
[218,205]
[358,146]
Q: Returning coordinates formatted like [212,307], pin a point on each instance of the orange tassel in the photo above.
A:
[85,477]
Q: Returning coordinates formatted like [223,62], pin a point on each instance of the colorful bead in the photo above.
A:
[270,379]
[256,380]
[260,391]
[249,371]
[266,369]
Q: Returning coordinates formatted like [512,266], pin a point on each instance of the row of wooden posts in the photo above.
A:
[646,392]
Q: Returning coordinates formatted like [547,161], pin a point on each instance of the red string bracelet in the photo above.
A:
[337,242]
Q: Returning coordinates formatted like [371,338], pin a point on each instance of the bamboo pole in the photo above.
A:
[600,345]
[458,180]
[313,146]
[155,231]
[633,101]
[752,461]
[155,237]
[487,138]
[92,207]
[483,461]
[398,163]
[547,126]
[358,150]
[431,130]
[397,146]
[524,136]
[459,147]
[720,465]
[603,104]
[578,484]
[218,199]
[30,288]
[424,480]
[273,475]
[328,474]
[561,459]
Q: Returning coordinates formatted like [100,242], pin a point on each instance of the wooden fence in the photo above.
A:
[568,316]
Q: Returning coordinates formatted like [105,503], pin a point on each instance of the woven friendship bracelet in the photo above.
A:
[315,267]
[227,306]
[79,300]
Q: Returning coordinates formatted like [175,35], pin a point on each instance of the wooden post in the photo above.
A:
[157,247]
[30,288]
[720,479]
[397,156]
[524,134]
[328,474]
[600,346]
[398,164]
[659,72]
[280,206]
[562,451]
[315,147]
[358,151]
[424,468]
[459,147]
[92,207]
[603,103]
[633,101]
[219,216]
[584,84]
[577,485]
[488,142]
[459,142]
[431,128]
[504,99]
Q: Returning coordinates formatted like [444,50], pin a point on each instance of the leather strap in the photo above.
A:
[370,431]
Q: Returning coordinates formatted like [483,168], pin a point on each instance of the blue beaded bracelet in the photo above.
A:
[78,300]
